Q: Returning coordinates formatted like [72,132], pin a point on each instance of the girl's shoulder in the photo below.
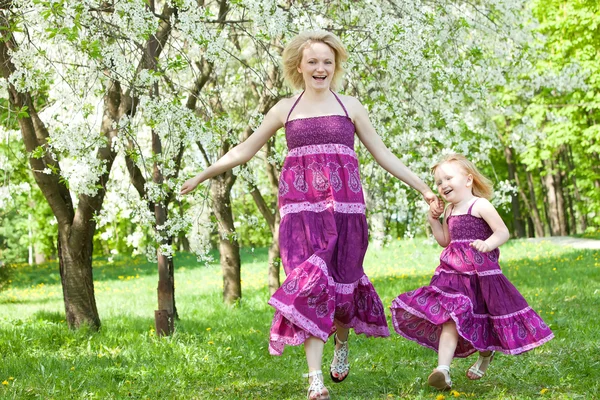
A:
[481,207]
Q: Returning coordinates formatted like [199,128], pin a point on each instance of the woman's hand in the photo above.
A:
[430,197]
[189,185]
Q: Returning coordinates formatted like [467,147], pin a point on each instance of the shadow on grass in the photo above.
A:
[24,275]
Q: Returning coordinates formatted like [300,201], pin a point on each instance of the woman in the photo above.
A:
[323,230]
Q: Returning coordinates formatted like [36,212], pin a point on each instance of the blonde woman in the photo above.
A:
[323,231]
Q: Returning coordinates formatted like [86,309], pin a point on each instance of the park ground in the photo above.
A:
[221,352]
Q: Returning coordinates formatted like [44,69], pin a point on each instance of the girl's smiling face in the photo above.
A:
[317,66]
[453,183]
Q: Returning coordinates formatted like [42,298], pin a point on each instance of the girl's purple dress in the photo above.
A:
[323,236]
[469,287]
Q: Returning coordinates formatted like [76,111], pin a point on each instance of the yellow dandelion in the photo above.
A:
[455,393]
[208,329]
[5,382]
[544,391]
[440,397]
[211,342]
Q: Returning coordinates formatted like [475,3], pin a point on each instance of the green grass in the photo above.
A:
[221,352]
[590,234]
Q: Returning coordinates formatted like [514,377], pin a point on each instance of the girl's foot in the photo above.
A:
[316,389]
[339,366]
[440,378]
[478,369]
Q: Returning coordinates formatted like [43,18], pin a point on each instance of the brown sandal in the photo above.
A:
[440,378]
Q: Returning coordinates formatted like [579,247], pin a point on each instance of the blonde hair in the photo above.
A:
[293,52]
[482,186]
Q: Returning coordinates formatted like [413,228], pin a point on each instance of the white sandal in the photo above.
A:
[316,388]
[340,364]
[440,378]
[476,368]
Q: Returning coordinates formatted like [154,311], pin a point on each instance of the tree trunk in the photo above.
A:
[75,264]
[228,244]
[519,228]
[579,208]
[551,199]
[560,202]
[535,212]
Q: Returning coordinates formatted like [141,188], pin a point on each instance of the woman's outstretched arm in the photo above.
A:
[243,152]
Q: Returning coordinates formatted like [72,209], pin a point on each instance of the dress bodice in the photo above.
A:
[468,227]
[324,129]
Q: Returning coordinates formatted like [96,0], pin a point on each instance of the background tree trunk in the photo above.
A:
[535,212]
[551,199]
[518,226]
[228,244]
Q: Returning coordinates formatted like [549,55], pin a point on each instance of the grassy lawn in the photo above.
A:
[221,352]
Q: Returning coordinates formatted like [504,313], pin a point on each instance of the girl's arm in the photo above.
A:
[486,210]
[243,152]
[439,229]
[367,135]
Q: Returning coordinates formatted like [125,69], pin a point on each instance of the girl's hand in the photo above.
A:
[189,185]
[481,246]
[436,208]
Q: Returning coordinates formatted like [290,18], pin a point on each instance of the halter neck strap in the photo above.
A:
[340,101]
[472,204]
[299,97]
[294,106]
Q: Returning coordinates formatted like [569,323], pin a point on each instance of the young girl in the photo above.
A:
[469,304]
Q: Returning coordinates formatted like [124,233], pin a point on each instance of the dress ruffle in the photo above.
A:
[309,301]
[419,315]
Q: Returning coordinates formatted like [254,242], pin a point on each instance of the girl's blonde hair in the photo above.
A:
[292,56]
[482,186]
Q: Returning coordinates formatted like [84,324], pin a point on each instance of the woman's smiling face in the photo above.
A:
[317,66]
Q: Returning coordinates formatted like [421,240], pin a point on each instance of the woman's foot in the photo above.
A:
[478,369]
[440,378]
[316,389]
[340,368]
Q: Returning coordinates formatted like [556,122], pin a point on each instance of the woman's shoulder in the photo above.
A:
[353,106]
[348,100]
[284,106]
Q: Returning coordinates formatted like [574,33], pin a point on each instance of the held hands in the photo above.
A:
[189,185]
[481,246]
[436,208]
[429,197]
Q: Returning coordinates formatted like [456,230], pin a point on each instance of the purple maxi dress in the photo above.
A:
[469,287]
[323,236]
